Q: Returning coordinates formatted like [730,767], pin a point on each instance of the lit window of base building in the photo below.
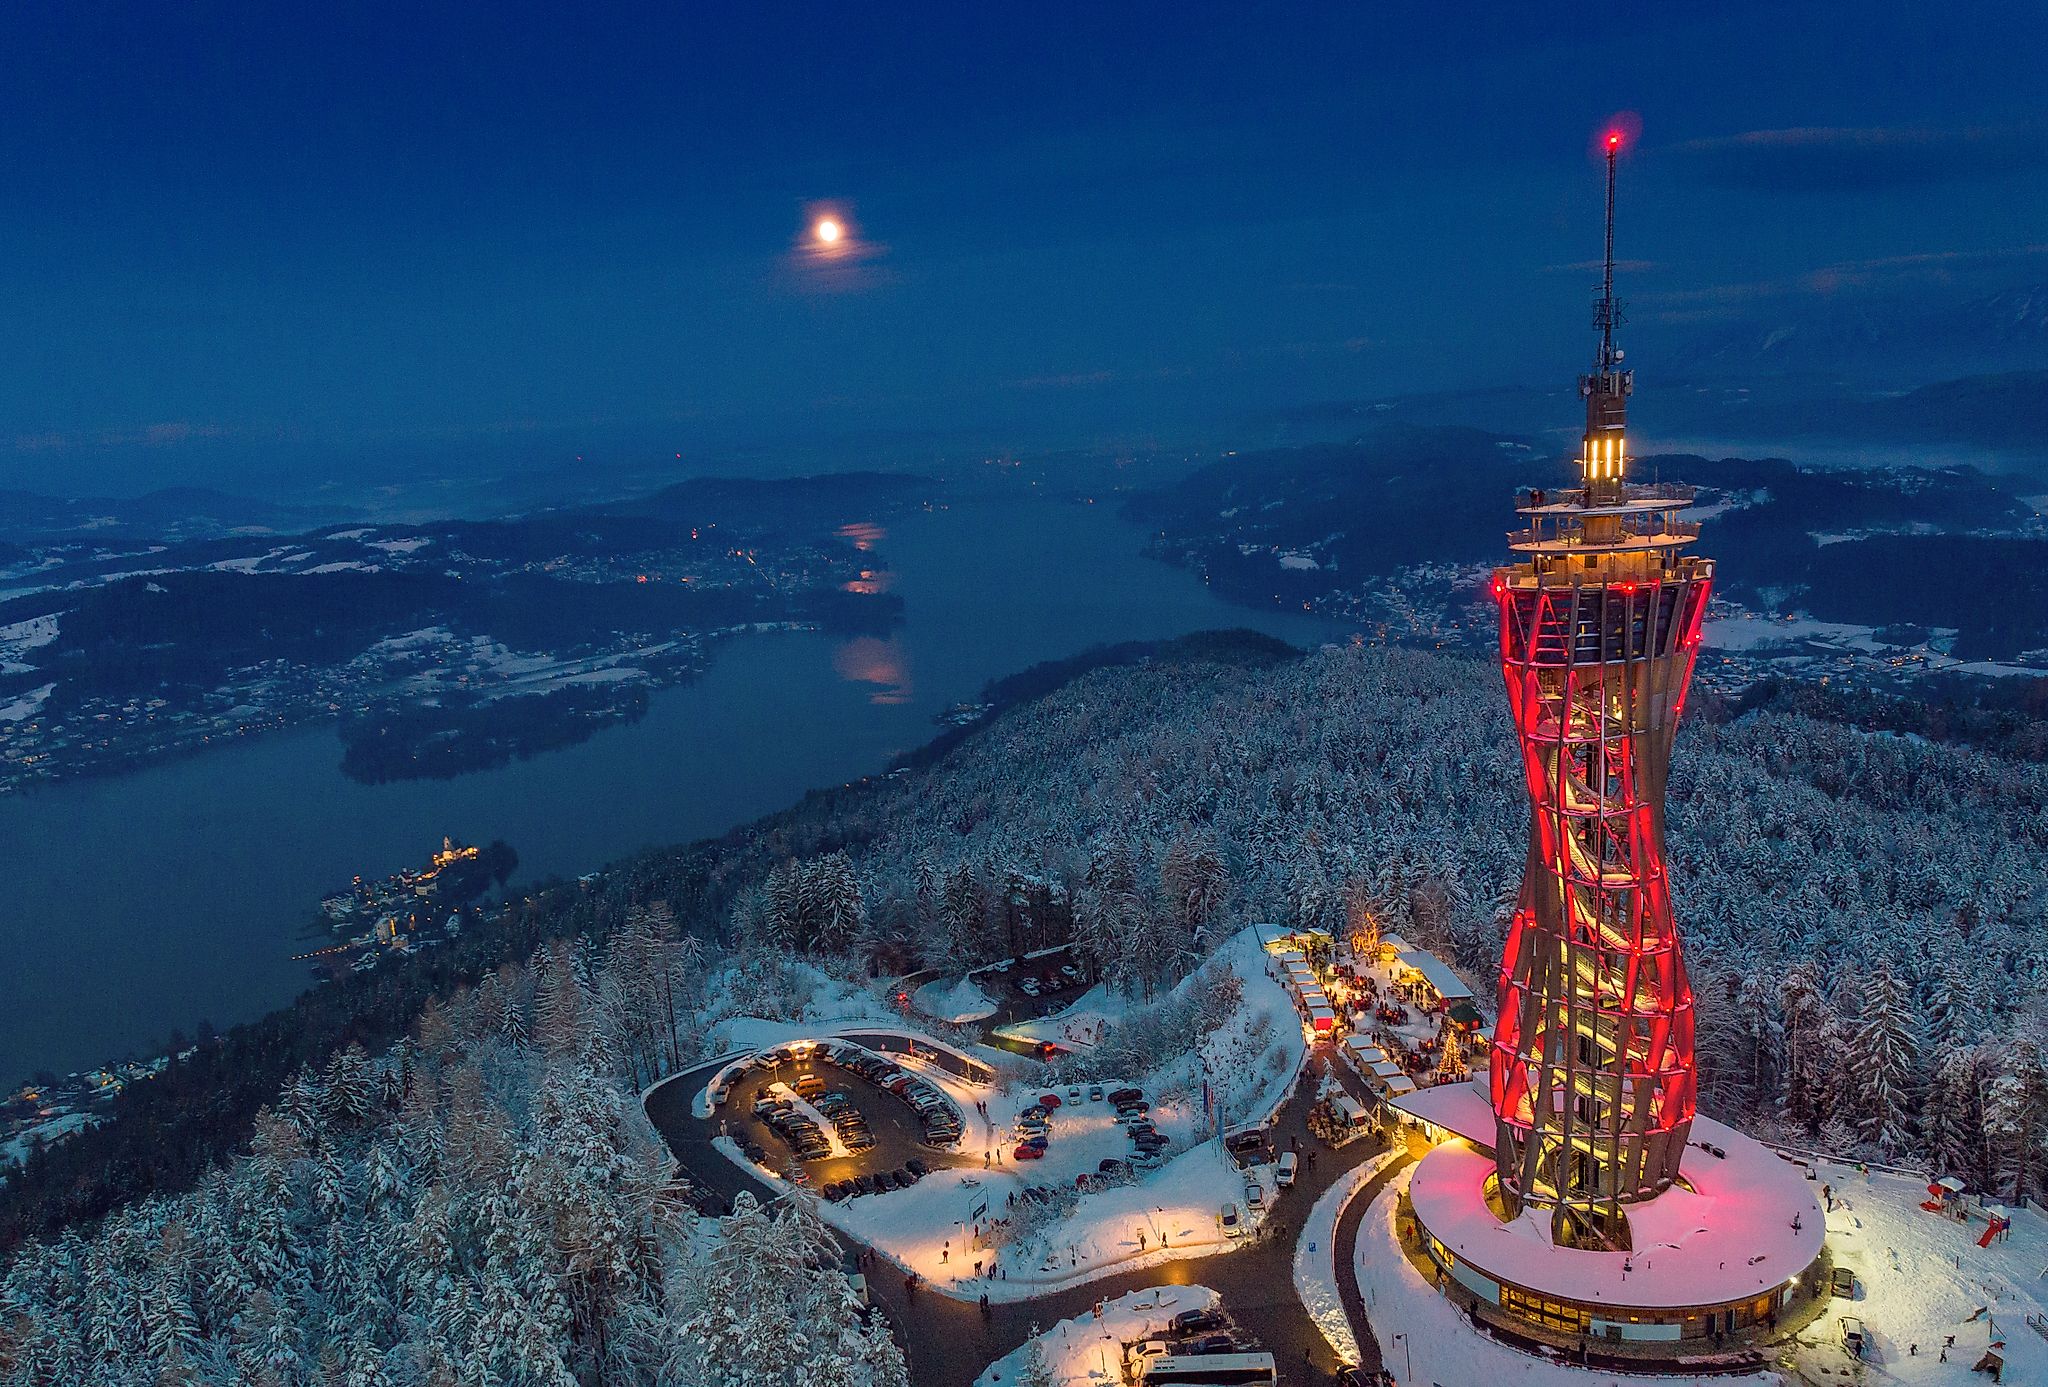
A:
[1725,1256]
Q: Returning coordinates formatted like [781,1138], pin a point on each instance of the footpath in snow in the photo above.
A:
[1315,1260]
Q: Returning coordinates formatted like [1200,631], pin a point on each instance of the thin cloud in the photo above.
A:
[1861,158]
[1882,272]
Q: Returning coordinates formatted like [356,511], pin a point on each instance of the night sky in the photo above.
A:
[329,235]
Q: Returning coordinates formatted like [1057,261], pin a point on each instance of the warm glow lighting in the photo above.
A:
[830,231]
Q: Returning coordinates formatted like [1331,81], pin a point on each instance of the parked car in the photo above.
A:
[917,1167]
[1074,1093]
[1095,1093]
[1254,1195]
[1232,1221]
[809,1085]
[1146,1348]
[1147,1160]
[1195,1321]
[1843,1283]
[1853,1337]
[1208,1344]
[1048,1101]
[1283,1174]
[1110,1165]
[1126,1095]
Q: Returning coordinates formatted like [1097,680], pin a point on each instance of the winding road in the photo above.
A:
[949,1342]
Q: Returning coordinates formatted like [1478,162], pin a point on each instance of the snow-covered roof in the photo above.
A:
[1437,973]
[1729,1236]
[1461,1109]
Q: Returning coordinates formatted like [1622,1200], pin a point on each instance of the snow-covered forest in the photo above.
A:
[487,1203]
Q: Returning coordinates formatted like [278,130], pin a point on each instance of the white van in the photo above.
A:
[1149,1348]
[1283,1174]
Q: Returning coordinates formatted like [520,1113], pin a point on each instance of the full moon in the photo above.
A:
[830,231]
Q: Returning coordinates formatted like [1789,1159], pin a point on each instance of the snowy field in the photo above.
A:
[1086,1348]
[1751,632]
[1921,1277]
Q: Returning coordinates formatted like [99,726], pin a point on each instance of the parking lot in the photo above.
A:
[1026,987]
[1208,1333]
[835,1117]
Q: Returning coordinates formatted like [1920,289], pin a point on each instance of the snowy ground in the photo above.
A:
[27,705]
[1921,1277]
[1315,1260]
[1444,1346]
[1752,632]
[1086,1349]
[957,1000]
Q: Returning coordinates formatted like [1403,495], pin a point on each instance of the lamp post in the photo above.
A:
[1407,1358]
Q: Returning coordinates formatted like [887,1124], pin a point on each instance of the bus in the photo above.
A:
[1210,1370]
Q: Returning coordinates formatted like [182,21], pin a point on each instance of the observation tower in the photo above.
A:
[1592,1059]
[1574,1193]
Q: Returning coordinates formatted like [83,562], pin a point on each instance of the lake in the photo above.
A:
[140,903]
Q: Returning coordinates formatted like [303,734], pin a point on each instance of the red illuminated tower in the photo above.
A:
[1592,1061]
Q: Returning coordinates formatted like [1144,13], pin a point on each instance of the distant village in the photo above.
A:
[373,922]
[412,910]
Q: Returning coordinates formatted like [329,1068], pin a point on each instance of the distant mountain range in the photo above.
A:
[1314,526]
[174,513]
[1881,340]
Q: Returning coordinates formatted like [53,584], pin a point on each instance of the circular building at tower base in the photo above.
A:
[1718,1258]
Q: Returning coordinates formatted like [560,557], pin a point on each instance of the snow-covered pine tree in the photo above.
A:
[1884,1059]
[1807,1083]
[2015,1111]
